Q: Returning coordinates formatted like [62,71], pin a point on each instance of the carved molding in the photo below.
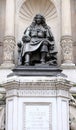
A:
[8,46]
[58,83]
[38,88]
[67,48]
[37,93]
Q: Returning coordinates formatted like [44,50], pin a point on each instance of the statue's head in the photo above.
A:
[39,19]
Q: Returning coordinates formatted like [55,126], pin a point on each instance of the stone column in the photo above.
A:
[9,39]
[66,39]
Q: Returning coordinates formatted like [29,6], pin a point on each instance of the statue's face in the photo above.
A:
[38,19]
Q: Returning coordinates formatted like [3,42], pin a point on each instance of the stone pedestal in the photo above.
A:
[37,104]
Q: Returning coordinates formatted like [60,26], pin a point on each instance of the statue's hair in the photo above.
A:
[43,22]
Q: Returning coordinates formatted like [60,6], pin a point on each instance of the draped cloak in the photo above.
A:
[38,36]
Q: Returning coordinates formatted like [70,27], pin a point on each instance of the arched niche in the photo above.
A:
[20,2]
[27,9]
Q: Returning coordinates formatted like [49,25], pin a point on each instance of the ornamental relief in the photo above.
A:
[67,49]
[23,93]
[9,45]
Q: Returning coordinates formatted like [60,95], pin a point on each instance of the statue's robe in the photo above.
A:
[38,35]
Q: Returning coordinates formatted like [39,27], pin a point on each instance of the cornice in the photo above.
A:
[53,84]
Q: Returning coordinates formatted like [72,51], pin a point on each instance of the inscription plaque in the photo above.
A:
[37,117]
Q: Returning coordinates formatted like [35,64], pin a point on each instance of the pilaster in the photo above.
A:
[66,38]
[9,38]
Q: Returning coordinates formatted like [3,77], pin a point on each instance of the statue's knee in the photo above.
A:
[44,47]
[45,43]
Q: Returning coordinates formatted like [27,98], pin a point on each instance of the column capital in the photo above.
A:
[67,37]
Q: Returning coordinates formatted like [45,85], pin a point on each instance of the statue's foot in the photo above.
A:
[42,63]
[52,63]
[27,64]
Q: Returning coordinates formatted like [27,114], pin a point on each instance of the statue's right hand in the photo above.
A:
[26,39]
[19,44]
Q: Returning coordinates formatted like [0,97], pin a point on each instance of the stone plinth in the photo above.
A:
[42,70]
[37,103]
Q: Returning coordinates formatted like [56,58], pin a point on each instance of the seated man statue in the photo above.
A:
[38,44]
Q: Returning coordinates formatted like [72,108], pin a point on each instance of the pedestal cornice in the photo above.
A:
[55,87]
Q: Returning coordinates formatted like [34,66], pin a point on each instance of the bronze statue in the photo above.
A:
[38,44]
